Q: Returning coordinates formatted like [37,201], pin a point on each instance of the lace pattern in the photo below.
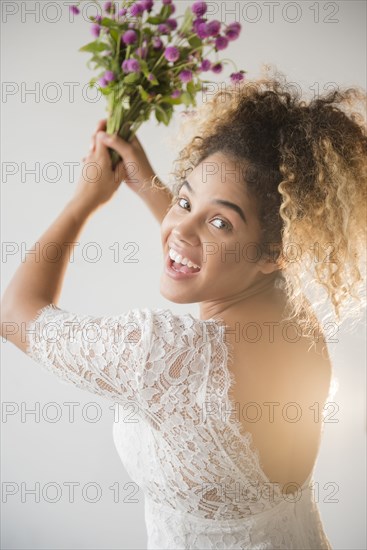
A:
[203,483]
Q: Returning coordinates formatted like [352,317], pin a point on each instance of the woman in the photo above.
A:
[227,440]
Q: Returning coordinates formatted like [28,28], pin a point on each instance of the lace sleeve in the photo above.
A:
[102,355]
[173,383]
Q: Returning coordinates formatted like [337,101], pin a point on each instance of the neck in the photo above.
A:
[261,291]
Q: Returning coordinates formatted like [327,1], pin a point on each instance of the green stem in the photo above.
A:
[118,48]
[157,62]
[210,51]
[230,60]
[121,123]
[183,65]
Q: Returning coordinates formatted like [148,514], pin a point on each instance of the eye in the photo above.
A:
[227,225]
[179,199]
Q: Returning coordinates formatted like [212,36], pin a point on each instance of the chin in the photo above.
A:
[176,297]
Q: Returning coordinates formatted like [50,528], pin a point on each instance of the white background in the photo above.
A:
[312,51]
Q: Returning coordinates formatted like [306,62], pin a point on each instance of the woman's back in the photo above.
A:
[280,383]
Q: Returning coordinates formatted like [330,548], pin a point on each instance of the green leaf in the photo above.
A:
[109,23]
[143,64]
[147,115]
[187,21]
[171,100]
[115,35]
[131,78]
[100,61]
[93,47]
[105,91]
[161,114]
[165,12]
[186,98]
[154,20]
[148,32]
[195,42]
[190,87]
[143,93]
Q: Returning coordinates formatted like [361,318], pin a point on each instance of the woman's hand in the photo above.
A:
[98,181]
[138,172]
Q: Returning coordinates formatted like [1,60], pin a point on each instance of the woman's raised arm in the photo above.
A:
[38,280]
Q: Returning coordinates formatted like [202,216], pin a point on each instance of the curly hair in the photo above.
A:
[304,163]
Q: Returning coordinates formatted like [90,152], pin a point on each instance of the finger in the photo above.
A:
[136,143]
[101,148]
[118,144]
[101,126]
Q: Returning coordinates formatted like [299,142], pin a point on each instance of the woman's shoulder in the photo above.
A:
[165,321]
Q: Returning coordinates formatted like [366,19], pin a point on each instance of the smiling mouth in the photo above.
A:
[180,268]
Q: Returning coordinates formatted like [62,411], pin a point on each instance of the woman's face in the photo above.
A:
[221,239]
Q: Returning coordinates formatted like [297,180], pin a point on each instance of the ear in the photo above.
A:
[270,262]
[268,266]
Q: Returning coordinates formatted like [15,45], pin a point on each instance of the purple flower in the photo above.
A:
[165,2]
[203,31]
[129,37]
[176,93]
[163,28]
[103,82]
[157,43]
[235,26]
[237,77]
[173,8]
[98,18]
[232,34]
[217,68]
[205,65]
[74,9]
[172,53]
[196,23]
[109,76]
[122,12]
[221,42]
[147,4]
[172,23]
[131,66]
[95,30]
[199,8]
[108,6]
[185,75]
[136,9]
[214,27]
[151,76]
[125,66]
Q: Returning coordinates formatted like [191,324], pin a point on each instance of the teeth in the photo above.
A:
[180,259]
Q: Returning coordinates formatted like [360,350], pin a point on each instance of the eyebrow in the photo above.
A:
[220,202]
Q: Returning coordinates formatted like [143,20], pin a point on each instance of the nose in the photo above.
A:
[186,233]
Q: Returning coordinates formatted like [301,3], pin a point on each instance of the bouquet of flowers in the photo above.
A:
[150,61]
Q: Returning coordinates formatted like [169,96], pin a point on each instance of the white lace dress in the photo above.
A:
[201,478]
